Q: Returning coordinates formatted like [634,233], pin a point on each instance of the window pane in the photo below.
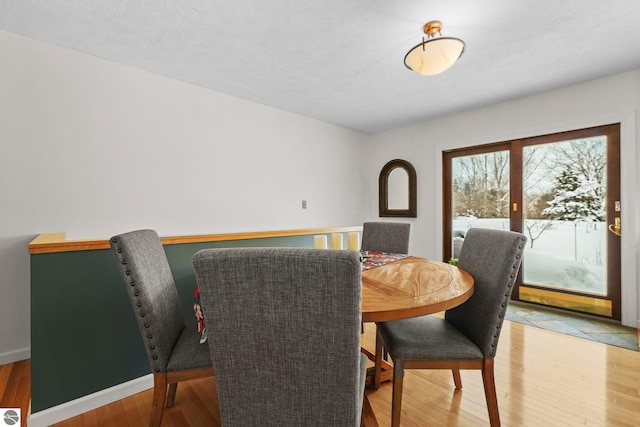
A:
[564,215]
[480,194]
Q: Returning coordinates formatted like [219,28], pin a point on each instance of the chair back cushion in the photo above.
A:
[386,237]
[284,334]
[152,292]
[493,258]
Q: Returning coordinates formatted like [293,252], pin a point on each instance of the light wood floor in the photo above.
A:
[543,379]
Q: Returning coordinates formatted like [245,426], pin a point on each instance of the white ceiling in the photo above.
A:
[341,61]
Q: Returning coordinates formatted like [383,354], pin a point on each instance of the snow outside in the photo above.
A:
[568,256]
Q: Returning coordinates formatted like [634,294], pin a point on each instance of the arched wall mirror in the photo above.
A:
[397,190]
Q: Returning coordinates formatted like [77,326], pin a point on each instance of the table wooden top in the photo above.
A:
[412,287]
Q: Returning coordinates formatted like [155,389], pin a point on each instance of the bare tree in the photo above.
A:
[481,182]
[481,185]
[534,223]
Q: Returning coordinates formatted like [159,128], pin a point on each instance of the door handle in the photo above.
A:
[616,228]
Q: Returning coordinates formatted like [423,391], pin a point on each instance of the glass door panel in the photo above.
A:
[480,194]
[564,212]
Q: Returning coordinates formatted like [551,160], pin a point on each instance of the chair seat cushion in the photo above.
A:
[426,337]
[188,353]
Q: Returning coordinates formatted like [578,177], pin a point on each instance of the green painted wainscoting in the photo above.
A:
[84,337]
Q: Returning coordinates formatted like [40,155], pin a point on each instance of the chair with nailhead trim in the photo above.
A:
[173,348]
[467,336]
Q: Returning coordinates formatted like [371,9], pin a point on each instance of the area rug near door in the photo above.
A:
[587,327]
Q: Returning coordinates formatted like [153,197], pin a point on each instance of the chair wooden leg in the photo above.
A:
[490,392]
[396,395]
[159,394]
[368,418]
[378,362]
[456,378]
[171,396]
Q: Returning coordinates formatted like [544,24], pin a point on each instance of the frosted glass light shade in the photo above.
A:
[434,56]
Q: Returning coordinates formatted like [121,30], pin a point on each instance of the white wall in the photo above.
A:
[609,100]
[93,148]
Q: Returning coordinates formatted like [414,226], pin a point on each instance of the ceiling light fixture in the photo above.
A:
[434,55]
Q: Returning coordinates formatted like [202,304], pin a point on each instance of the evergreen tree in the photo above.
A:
[574,199]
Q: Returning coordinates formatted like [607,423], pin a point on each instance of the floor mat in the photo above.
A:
[587,327]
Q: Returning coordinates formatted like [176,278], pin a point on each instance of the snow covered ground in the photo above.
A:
[567,256]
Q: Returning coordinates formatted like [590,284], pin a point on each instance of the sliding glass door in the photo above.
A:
[562,192]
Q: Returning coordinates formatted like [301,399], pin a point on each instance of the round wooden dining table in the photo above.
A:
[408,287]
[412,287]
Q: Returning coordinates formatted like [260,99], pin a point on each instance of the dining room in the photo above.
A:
[93,147]
[84,272]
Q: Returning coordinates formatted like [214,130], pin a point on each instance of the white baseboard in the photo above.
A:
[15,356]
[92,401]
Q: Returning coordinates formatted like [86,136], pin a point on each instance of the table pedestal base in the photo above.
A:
[385,375]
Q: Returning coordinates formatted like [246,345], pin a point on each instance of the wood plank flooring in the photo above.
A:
[15,388]
[543,378]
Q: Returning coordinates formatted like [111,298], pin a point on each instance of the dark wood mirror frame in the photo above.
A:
[383,190]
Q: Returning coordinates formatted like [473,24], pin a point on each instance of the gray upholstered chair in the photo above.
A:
[467,336]
[174,350]
[390,237]
[386,237]
[286,324]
